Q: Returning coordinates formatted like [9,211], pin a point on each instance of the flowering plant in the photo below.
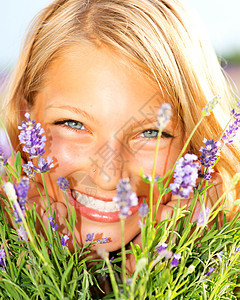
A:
[177,258]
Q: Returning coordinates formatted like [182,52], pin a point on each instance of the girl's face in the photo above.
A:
[100,118]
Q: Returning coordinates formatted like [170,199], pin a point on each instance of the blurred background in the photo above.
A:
[220,17]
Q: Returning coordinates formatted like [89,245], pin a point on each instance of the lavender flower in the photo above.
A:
[203,217]
[210,105]
[31,136]
[22,233]
[185,175]
[233,127]
[162,247]
[89,237]
[148,178]
[10,191]
[4,144]
[210,270]
[125,198]
[27,168]
[43,165]
[2,259]
[63,183]
[3,159]
[210,153]
[22,191]
[52,224]
[143,210]
[175,260]
[165,253]
[64,240]
[164,115]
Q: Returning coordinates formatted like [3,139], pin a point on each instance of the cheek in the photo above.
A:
[67,154]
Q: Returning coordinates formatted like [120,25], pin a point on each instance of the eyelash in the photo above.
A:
[63,124]
[164,133]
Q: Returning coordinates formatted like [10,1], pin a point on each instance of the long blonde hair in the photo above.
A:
[157,36]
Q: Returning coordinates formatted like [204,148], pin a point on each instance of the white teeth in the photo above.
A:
[95,203]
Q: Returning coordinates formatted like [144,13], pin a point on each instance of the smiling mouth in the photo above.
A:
[94,203]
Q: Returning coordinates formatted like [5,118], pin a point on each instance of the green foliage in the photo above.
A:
[206,266]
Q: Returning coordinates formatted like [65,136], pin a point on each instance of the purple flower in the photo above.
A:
[210,270]
[3,159]
[148,178]
[2,259]
[22,191]
[4,144]
[125,198]
[203,217]
[52,224]
[31,136]
[143,210]
[89,237]
[165,253]
[164,115]
[175,260]
[18,195]
[210,153]
[43,165]
[185,176]
[22,233]
[233,127]
[210,105]
[162,247]
[64,240]
[27,168]
[63,183]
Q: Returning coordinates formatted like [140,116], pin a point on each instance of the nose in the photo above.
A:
[108,165]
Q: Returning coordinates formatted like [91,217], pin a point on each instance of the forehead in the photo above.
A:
[87,76]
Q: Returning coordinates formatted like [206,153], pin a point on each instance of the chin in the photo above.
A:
[105,235]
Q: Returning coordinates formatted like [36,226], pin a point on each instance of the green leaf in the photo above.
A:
[66,274]
[18,163]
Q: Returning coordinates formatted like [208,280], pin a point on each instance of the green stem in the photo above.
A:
[123,255]
[71,225]
[44,202]
[153,176]
[46,192]
[113,280]
[32,241]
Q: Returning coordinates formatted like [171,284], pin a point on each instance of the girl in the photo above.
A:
[94,73]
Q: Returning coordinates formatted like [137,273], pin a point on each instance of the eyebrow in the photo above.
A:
[75,110]
[132,120]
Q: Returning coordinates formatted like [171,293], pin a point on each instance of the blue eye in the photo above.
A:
[71,124]
[74,124]
[149,133]
[153,133]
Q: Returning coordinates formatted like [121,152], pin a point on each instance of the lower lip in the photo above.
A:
[99,216]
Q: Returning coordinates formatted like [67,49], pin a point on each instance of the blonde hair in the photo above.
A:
[157,36]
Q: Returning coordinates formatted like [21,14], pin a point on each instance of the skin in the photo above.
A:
[101,90]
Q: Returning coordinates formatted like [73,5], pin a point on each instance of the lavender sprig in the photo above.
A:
[3,159]
[210,106]
[233,127]
[31,136]
[185,176]
[125,198]
[2,259]
[63,183]
[164,115]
